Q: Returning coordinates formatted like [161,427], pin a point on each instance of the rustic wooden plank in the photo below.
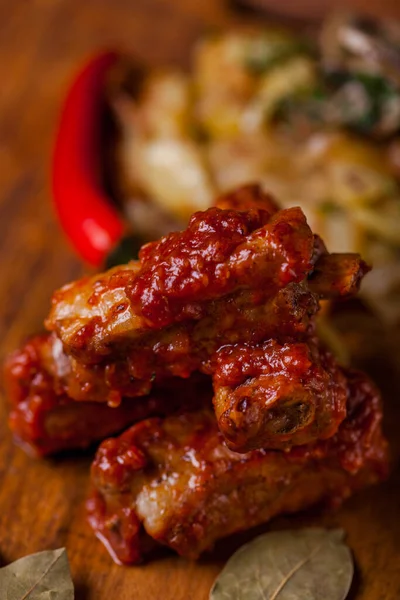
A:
[42,502]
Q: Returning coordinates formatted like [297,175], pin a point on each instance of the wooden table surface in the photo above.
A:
[42,502]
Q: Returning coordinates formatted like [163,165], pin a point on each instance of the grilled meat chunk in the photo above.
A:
[175,482]
[45,420]
[277,396]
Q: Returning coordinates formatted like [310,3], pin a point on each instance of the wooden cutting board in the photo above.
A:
[42,502]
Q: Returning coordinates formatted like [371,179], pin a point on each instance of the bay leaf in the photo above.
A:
[305,564]
[41,576]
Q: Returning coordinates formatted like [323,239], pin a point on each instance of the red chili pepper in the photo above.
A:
[85,211]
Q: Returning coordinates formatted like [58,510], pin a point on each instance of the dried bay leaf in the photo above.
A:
[41,576]
[307,564]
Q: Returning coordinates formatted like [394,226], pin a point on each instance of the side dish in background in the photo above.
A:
[226,318]
[316,124]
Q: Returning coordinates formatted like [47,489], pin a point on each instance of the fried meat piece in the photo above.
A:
[223,256]
[44,420]
[183,348]
[337,275]
[174,481]
[277,396]
[232,276]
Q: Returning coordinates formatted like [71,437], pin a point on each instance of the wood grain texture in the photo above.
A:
[42,42]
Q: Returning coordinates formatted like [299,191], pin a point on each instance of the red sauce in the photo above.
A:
[240,361]
[220,252]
